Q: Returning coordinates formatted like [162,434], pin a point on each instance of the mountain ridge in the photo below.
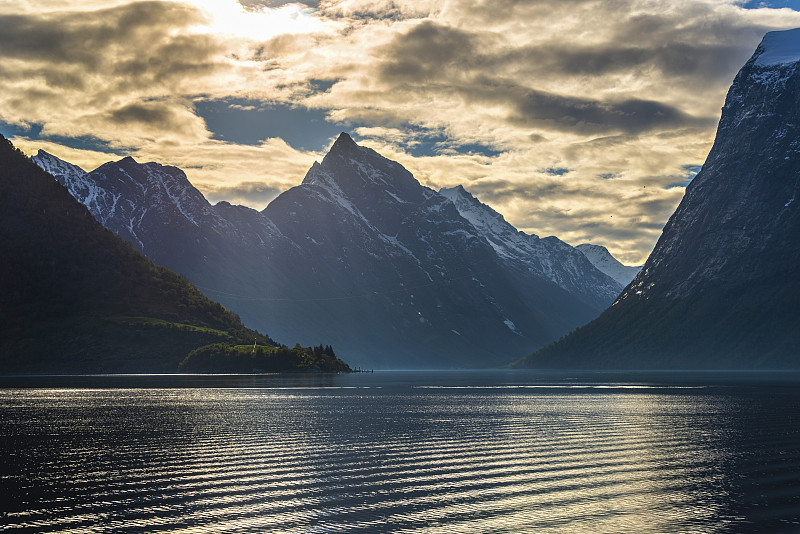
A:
[359,230]
[722,286]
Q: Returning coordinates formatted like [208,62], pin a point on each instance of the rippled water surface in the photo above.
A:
[401,452]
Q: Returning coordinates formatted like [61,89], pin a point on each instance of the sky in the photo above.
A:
[583,119]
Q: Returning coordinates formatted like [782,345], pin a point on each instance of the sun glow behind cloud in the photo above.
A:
[229,17]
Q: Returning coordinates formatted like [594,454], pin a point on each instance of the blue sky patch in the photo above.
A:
[691,172]
[428,142]
[250,122]
[34,133]
[775,4]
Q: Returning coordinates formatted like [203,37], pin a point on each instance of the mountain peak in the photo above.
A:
[344,144]
[128,159]
[606,263]
[63,171]
[778,48]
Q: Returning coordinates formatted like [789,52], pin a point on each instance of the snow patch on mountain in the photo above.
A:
[549,257]
[605,262]
[57,167]
[80,185]
[778,48]
[511,326]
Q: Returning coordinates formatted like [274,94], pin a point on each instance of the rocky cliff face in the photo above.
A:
[722,286]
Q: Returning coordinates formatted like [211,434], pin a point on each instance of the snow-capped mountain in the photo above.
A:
[721,289]
[67,174]
[401,260]
[156,209]
[359,255]
[602,259]
[549,258]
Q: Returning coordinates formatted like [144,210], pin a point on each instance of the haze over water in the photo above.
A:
[402,452]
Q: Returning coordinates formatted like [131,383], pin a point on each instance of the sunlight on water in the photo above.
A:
[368,455]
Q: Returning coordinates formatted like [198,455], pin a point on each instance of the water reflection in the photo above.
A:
[459,452]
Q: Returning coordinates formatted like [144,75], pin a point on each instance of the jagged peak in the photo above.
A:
[344,144]
[313,173]
[55,165]
[460,193]
[44,155]
[128,159]
[592,246]
[350,167]
[456,192]
[778,48]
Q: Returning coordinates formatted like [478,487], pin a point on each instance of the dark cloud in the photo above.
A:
[450,60]
[154,114]
[500,191]
[84,37]
[488,12]
[178,57]
[550,111]
[426,51]
[714,62]
[137,42]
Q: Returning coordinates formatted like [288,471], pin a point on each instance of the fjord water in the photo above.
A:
[402,452]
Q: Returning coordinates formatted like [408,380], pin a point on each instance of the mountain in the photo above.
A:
[548,258]
[722,286]
[360,255]
[77,298]
[602,259]
[424,287]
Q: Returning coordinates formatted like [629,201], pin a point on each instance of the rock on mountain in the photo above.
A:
[360,255]
[602,259]
[722,286]
[548,258]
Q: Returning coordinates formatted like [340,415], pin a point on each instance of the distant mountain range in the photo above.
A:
[360,255]
[721,289]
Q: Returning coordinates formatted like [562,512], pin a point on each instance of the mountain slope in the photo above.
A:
[548,258]
[78,298]
[602,259]
[722,286]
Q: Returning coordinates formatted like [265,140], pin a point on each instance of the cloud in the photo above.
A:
[118,73]
[155,117]
[89,39]
[242,193]
[577,115]
[487,94]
